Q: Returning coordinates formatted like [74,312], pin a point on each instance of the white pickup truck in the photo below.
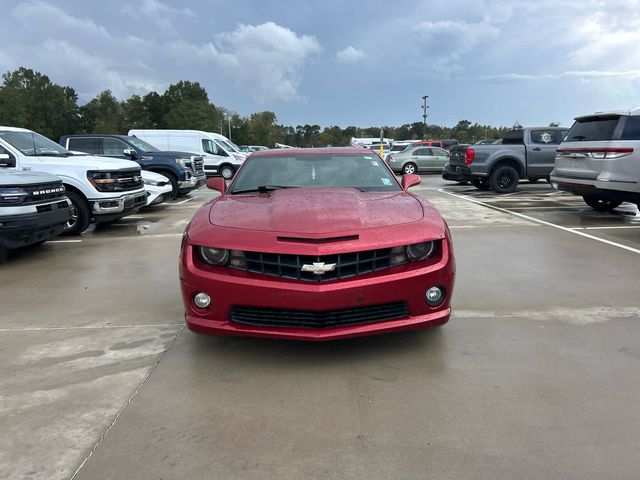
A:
[100,190]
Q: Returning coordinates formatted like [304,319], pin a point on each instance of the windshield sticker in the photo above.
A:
[386,181]
[546,137]
[374,163]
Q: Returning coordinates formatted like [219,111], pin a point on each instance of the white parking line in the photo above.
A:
[608,228]
[64,241]
[184,201]
[542,222]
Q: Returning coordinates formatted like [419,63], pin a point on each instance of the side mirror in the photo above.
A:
[409,180]
[130,152]
[6,160]
[217,183]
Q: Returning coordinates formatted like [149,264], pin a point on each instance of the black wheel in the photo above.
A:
[600,204]
[227,172]
[80,215]
[174,184]
[481,183]
[504,179]
[409,168]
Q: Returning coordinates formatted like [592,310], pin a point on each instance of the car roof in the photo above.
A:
[279,152]
[632,111]
[15,129]
[110,135]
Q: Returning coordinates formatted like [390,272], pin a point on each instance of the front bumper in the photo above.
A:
[228,288]
[193,182]
[108,209]
[20,230]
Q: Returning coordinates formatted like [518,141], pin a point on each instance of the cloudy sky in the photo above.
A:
[343,62]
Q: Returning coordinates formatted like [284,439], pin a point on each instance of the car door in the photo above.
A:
[439,159]
[541,151]
[423,158]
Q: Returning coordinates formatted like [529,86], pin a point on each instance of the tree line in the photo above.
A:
[29,99]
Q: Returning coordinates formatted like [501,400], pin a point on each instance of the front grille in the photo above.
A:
[127,180]
[198,164]
[45,191]
[272,317]
[290,266]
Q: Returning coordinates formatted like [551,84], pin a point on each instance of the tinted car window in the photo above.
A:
[87,145]
[546,137]
[439,152]
[364,172]
[423,151]
[112,146]
[515,137]
[593,129]
[632,128]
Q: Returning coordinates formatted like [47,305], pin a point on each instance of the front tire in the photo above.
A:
[80,215]
[481,183]
[409,168]
[504,179]
[600,204]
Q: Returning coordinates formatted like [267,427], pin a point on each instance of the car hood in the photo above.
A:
[170,154]
[147,175]
[90,162]
[315,210]
[16,177]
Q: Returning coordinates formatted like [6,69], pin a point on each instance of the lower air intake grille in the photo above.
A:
[271,317]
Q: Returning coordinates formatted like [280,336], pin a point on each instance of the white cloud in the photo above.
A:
[350,55]
[266,59]
[159,13]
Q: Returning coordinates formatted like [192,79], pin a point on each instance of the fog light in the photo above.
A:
[201,300]
[434,296]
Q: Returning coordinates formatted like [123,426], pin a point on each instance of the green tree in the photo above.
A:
[29,99]
[102,114]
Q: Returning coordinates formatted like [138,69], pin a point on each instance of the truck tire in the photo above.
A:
[481,183]
[227,172]
[409,168]
[600,204]
[504,179]
[80,214]
[174,184]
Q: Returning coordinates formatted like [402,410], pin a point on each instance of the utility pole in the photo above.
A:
[424,113]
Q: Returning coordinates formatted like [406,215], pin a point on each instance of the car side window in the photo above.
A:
[423,152]
[11,162]
[87,145]
[113,147]
[439,152]
[632,128]
[209,147]
[546,137]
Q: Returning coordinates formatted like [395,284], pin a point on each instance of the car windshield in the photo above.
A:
[398,148]
[33,144]
[230,146]
[142,145]
[366,173]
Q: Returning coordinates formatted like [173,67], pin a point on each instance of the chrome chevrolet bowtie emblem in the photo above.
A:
[319,268]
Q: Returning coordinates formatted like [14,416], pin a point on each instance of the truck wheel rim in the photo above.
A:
[505,181]
[74,217]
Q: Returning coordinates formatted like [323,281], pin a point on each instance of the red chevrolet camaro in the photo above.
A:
[316,244]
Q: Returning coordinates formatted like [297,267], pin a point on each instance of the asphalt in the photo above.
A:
[535,376]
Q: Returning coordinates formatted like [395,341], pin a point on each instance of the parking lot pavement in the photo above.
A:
[535,376]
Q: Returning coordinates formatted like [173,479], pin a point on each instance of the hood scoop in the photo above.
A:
[344,238]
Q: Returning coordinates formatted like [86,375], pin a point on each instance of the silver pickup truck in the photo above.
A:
[524,153]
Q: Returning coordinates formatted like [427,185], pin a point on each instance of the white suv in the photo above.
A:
[599,159]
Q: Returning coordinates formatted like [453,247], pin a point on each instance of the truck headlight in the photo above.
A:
[12,195]
[185,162]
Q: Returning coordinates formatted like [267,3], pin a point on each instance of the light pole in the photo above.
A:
[424,113]
[229,120]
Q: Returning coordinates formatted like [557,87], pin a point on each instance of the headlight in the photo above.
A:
[185,162]
[12,195]
[147,181]
[420,251]
[214,256]
[103,181]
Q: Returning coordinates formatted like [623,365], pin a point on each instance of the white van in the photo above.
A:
[220,157]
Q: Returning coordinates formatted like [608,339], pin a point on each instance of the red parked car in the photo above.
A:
[316,244]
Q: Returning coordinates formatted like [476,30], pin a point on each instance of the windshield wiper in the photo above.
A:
[263,189]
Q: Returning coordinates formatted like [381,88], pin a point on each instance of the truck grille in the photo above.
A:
[45,191]
[290,266]
[198,165]
[127,180]
[272,317]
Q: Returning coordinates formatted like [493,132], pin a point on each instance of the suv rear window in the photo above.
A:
[593,129]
